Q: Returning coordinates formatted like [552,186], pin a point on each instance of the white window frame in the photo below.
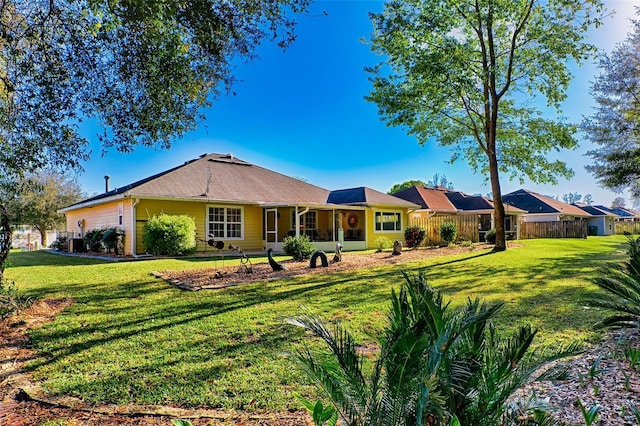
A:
[303,219]
[225,222]
[383,213]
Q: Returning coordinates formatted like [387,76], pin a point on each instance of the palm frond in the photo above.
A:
[344,384]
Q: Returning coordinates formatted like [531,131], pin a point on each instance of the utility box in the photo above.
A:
[76,245]
[593,230]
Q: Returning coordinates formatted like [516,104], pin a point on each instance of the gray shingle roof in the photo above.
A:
[222,177]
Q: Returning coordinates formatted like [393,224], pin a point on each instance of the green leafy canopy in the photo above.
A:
[142,69]
[449,62]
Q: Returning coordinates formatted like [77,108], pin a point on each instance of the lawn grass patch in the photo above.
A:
[132,338]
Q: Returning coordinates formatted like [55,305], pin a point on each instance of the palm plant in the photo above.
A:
[436,364]
[622,284]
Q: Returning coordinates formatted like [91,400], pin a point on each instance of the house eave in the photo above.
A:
[93,203]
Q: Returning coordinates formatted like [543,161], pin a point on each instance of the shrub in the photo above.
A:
[414,236]
[448,232]
[437,364]
[298,247]
[382,243]
[622,284]
[171,235]
[10,300]
[59,244]
[93,240]
[490,237]
[113,239]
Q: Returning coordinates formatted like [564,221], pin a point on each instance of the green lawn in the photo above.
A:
[132,338]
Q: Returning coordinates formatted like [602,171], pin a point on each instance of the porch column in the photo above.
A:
[298,214]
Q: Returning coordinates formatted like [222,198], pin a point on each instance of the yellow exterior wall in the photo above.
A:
[107,215]
[372,234]
[102,216]
[252,221]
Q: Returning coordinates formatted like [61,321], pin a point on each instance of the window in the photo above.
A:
[307,220]
[388,221]
[225,222]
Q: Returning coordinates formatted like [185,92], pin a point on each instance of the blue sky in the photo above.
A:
[301,112]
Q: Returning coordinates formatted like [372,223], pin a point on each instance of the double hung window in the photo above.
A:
[225,222]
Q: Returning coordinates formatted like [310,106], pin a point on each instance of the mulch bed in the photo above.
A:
[222,276]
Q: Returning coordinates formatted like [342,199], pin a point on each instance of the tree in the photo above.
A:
[406,184]
[588,199]
[440,181]
[456,70]
[40,196]
[141,69]
[615,124]
[618,203]
[572,197]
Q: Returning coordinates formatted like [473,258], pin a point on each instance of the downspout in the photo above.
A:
[133,227]
[298,214]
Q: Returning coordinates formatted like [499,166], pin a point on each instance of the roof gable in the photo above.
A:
[533,202]
[364,196]
[469,202]
[427,198]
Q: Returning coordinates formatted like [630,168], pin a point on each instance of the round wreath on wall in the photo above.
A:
[352,220]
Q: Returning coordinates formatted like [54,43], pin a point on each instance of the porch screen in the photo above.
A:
[307,220]
[388,221]
[225,222]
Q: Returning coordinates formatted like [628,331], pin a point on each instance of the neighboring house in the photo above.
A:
[540,208]
[238,202]
[26,237]
[441,201]
[622,214]
[601,222]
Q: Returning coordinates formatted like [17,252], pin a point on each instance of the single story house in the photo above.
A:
[540,208]
[622,214]
[602,221]
[442,201]
[244,204]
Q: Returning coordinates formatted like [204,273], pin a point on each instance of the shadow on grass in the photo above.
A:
[108,314]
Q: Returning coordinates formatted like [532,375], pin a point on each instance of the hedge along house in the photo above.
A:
[240,203]
[474,210]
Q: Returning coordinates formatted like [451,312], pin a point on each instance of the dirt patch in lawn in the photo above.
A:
[222,276]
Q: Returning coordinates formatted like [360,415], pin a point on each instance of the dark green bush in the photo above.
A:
[621,283]
[93,240]
[448,232]
[437,364]
[59,244]
[414,236]
[298,247]
[113,239]
[171,235]
[491,236]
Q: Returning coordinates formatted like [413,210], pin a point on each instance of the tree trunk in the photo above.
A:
[43,235]
[5,238]
[501,242]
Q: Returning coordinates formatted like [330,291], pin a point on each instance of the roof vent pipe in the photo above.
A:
[106,183]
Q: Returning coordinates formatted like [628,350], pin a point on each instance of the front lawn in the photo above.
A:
[130,337]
